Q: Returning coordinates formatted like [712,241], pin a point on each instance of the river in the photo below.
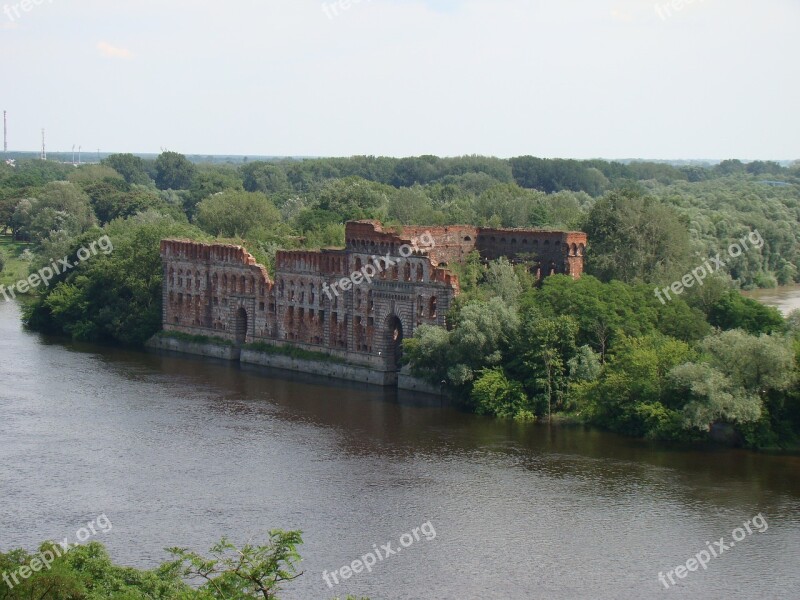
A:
[786,299]
[181,451]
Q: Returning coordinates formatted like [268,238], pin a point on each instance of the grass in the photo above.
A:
[294,352]
[197,339]
[15,268]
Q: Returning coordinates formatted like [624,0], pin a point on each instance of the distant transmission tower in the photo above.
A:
[44,149]
[5,133]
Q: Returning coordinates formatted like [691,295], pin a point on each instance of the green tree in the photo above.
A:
[132,168]
[173,171]
[247,572]
[632,394]
[635,238]
[502,281]
[494,394]
[265,178]
[60,209]
[115,296]
[354,198]
[541,356]
[207,182]
[759,364]
[483,332]
[712,397]
[734,311]
[233,213]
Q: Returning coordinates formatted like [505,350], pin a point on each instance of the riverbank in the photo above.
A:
[786,298]
[15,267]
[291,359]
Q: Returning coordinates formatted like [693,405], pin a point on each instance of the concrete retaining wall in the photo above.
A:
[318,367]
[336,370]
[406,382]
[201,349]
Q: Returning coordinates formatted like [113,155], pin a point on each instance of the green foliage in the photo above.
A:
[759,364]
[115,297]
[60,209]
[265,178]
[734,311]
[541,357]
[248,572]
[635,238]
[632,394]
[354,198]
[294,352]
[209,181]
[197,339]
[86,572]
[585,365]
[234,213]
[494,394]
[132,168]
[484,332]
[713,397]
[173,171]
[502,281]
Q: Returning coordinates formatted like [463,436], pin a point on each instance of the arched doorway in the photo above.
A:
[240,327]
[393,341]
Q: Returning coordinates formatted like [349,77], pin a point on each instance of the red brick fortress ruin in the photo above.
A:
[219,291]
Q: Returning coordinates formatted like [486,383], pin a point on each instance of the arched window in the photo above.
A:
[407,272]
[432,307]
[420,273]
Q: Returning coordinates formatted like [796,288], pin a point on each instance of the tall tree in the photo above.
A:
[173,171]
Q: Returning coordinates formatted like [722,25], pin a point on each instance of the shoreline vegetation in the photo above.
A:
[87,571]
[707,364]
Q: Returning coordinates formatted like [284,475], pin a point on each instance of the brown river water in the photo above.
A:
[786,299]
[181,451]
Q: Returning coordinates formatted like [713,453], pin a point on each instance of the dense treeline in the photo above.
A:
[603,350]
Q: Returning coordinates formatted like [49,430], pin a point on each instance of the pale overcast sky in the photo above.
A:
[552,78]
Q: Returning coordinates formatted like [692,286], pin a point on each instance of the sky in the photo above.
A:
[710,79]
